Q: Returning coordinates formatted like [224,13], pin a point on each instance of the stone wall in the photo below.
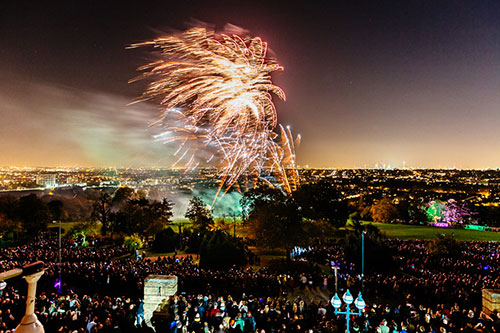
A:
[491,300]
[157,291]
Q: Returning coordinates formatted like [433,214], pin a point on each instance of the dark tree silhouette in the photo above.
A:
[33,214]
[56,209]
[101,211]
[199,214]
[121,196]
[142,216]
[378,255]
[273,219]
[322,201]
[444,246]
[219,250]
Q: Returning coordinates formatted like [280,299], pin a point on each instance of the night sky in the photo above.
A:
[366,82]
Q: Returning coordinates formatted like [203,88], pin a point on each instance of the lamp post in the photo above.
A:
[60,256]
[335,268]
[362,260]
[348,299]
[234,225]
[59,282]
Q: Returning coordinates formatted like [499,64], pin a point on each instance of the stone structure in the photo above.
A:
[157,291]
[491,300]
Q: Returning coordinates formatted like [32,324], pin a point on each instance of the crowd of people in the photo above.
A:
[102,292]
[427,278]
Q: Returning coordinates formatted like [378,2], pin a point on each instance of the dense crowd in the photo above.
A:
[47,250]
[427,278]
[210,313]
[102,293]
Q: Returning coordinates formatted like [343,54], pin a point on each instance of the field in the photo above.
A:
[402,231]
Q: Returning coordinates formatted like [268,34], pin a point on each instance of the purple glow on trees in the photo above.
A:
[456,212]
[450,212]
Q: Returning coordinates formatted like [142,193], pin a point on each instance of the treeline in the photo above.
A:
[310,216]
[28,215]
[273,219]
[315,213]
[127,217]
[409,210]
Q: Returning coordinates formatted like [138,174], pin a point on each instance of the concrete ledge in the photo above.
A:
[491,300]
[157,291]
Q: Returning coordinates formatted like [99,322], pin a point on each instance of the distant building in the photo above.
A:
[46,180]
[72,180]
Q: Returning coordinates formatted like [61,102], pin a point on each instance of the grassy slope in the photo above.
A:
[422,232]
[390,230]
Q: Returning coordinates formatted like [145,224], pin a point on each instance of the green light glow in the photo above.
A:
[435,212]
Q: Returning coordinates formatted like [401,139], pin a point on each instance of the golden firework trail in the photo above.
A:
[216,90]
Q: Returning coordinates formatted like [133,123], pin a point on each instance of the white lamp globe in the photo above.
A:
[336,302]
[348,299]
[360,302]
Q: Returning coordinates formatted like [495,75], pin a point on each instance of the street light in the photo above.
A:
[60,257]
[335,270]
[363,260]
[59,282]
[348,300]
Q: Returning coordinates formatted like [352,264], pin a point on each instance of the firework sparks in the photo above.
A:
[216,90]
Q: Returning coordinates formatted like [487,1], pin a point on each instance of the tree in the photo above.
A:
[101,211]
[378,255]
[435,210]
[121,196]
[199,215]
[410,211]
[33,214]
[142,217]
[489,215]
[417,214]
[84,227]
[166,241]
[219,250]
[160,214]
[273,219]
[132,218]
[133,242]
[321,231]
[403,209]
[383,211]
[56,209]
[322,201]
[456,212]
[362,208]
[9,228]
[8,206]
[444,246]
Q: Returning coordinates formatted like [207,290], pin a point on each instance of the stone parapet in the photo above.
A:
[491,300]
[157,291]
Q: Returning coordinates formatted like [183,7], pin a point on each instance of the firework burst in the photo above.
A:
[216,91]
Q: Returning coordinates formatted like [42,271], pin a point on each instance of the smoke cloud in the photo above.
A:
[50,125]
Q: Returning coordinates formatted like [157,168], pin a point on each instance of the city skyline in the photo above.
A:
[367,83]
